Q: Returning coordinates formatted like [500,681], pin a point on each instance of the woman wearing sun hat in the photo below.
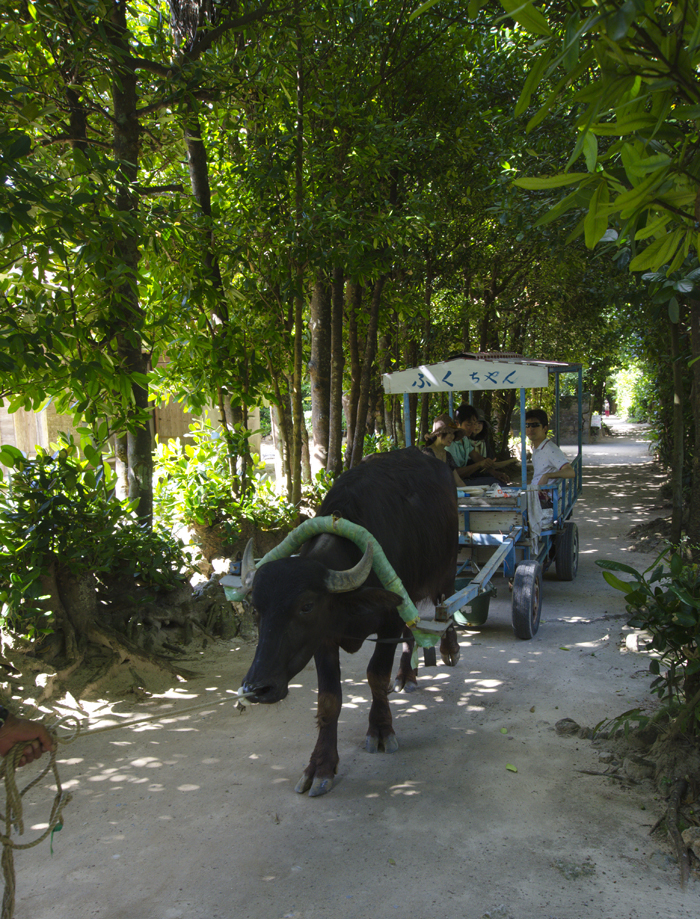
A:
[438,440]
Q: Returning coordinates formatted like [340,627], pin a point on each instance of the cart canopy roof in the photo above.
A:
[469,372]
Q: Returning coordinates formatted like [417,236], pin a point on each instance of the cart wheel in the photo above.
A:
[567,552]
[429,657]
[527,599]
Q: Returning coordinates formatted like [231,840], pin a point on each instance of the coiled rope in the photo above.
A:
[13,816]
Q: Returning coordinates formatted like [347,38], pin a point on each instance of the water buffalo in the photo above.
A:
[327,598]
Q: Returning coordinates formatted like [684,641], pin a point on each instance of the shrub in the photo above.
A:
[378,443]
[666,602]
[193,484]
[60,523]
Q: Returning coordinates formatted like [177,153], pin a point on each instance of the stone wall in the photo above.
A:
[568,420]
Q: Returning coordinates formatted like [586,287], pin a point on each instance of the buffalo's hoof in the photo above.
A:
[375,745]
[450,659]
[407,685]
[449,647]
[303,784]
[320,787]
[391,744]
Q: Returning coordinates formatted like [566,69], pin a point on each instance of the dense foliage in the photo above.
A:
[627,74]
[60,524]
[665,601]
[247,201]
[194,485]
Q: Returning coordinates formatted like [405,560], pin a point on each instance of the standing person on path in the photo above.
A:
[548,460]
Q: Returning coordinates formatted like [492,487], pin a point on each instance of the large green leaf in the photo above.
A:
[653,228]
[596,221]
[542,182]
[528,16]
[424,7]
[625,586]
[532,81]
[658,253]
[620,20]
[607,565]
[590,150]
[628,126]
[635,197]
[576,198]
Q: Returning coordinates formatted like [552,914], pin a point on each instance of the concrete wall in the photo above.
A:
[27,430]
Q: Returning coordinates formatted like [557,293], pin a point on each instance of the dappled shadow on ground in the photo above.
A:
[615,498]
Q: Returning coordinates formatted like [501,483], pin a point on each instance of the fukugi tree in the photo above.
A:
[92,143]
[100,99]
[629,73]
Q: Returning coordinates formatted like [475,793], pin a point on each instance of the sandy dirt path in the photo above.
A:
[195,815]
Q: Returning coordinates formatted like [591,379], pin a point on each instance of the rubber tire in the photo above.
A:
[527,599]
[430,657]
[566,552]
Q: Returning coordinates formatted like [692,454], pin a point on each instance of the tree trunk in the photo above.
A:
[425,356]
[334,462]
[367,367]
[121,465]
[502,452]
[466,335]
[354,302]
[678,434]
[198,165]
[297,418]
[387,402]
[306,471]
[139,443]
[126,306]
[410,359]
[694,516]
[320,370]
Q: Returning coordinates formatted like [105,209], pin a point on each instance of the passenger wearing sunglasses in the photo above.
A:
[548,460]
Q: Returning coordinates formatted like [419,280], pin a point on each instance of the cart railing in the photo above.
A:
[562,504]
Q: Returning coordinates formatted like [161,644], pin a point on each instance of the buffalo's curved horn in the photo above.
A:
[342,581]
[248,568]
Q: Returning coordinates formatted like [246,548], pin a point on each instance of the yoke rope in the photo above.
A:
[13,808]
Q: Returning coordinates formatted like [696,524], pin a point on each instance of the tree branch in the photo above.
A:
[160,70]
[202,44]
[158,189]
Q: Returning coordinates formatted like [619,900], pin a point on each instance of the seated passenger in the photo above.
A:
[472,467]
[436,444]
[548,460]
[482,437]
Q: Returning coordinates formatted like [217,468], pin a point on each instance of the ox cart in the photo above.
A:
[382,556]
[504,529]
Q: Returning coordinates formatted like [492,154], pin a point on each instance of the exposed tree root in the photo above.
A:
[129,651]
[57,681]
[130,644]
[674,802]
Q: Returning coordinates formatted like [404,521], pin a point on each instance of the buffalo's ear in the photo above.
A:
[369,601]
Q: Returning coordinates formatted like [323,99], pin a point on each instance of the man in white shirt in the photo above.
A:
[548,460]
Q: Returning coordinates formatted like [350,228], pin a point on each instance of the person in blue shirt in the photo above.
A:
[472,467]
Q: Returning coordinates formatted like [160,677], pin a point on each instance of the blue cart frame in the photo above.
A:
[504,522]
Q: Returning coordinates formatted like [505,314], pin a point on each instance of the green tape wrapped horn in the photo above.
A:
[373,552]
